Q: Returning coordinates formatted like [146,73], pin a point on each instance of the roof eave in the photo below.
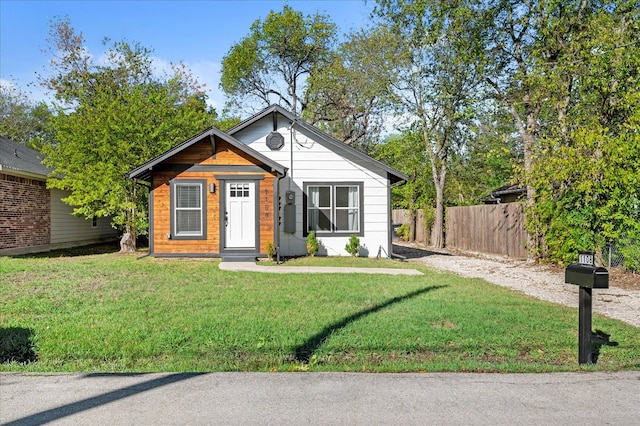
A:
[393,175]
[143,172]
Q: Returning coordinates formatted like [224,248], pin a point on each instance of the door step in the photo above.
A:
[238,258]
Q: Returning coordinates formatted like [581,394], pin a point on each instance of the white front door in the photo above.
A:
[240,216]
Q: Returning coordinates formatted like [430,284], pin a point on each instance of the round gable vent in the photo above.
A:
[275,141]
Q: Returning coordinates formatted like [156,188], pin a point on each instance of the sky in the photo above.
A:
[196,32]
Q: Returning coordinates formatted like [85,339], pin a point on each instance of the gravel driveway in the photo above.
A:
[534,280]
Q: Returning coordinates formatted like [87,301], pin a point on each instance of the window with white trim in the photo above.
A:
[188,209]
[334,208]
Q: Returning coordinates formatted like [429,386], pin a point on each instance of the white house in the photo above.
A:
[337,190]
[271,179]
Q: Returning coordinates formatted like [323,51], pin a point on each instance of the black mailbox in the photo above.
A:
[588,276]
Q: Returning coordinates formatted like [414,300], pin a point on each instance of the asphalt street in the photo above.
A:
[585,398]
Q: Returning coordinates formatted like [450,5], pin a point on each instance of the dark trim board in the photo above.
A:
[180,255]
[227,256]
[211,168]
[223,206]
[151,221]
[395,176]
[144,171]
[172,207]
[360,186]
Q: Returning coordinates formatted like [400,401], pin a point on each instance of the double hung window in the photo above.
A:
[188,209]
[334,208]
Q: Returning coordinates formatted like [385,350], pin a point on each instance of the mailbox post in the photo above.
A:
[588,276]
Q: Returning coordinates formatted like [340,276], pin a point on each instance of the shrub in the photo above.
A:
[403,231]
[271,250]
[353,246]
[312,244]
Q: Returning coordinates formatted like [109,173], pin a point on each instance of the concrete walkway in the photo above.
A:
[277,269]
[320,399]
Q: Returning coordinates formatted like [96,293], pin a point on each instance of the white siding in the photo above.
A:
[309,160]
[68,230]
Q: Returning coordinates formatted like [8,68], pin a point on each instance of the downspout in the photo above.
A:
[291,154]
[277,219]
[137,181]
[391,253]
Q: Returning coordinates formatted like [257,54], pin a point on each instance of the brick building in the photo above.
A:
[32,217]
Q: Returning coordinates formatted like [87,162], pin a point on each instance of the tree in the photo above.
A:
[22,120]
[406,153]
[488,161]
[272,63]
[349,96]
[111,118]
[435,86]
[586,170]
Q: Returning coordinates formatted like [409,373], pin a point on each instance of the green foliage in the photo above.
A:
[271,250]
[353,246]
[630,250]
[349,96]
[405,153]
[586,171]
[272,63]
[404,231]
[313,245]
[113,118]
[23,121]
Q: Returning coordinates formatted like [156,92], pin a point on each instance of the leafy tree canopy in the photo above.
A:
[109,119]
[22,120]
[272,63]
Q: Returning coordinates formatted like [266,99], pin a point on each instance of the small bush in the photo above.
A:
[271,250]
[404,231]
[353,246]
[312,244]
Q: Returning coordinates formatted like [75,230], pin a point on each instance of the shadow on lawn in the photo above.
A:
[101,248]
[599,339]
[16,345]
[305,351]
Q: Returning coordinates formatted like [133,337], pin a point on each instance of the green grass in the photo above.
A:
[109,312]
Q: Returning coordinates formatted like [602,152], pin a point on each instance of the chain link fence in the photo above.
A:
[624,253]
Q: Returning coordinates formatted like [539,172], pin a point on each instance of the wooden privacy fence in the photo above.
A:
[491,228]
[404,216]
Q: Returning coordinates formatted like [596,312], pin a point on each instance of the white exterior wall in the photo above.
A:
[68,230]
[312,161]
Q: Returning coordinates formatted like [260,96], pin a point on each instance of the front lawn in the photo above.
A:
[109,312]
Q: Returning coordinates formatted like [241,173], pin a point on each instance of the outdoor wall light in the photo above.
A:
[212,188]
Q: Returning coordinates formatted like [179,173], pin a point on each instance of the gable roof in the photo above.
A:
[19,158]
[144,171]
[393,175]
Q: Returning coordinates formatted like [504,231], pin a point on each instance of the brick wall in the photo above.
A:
[25,218]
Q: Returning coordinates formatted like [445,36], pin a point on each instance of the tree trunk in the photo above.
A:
[527,133]
[127,243]
[437,232]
